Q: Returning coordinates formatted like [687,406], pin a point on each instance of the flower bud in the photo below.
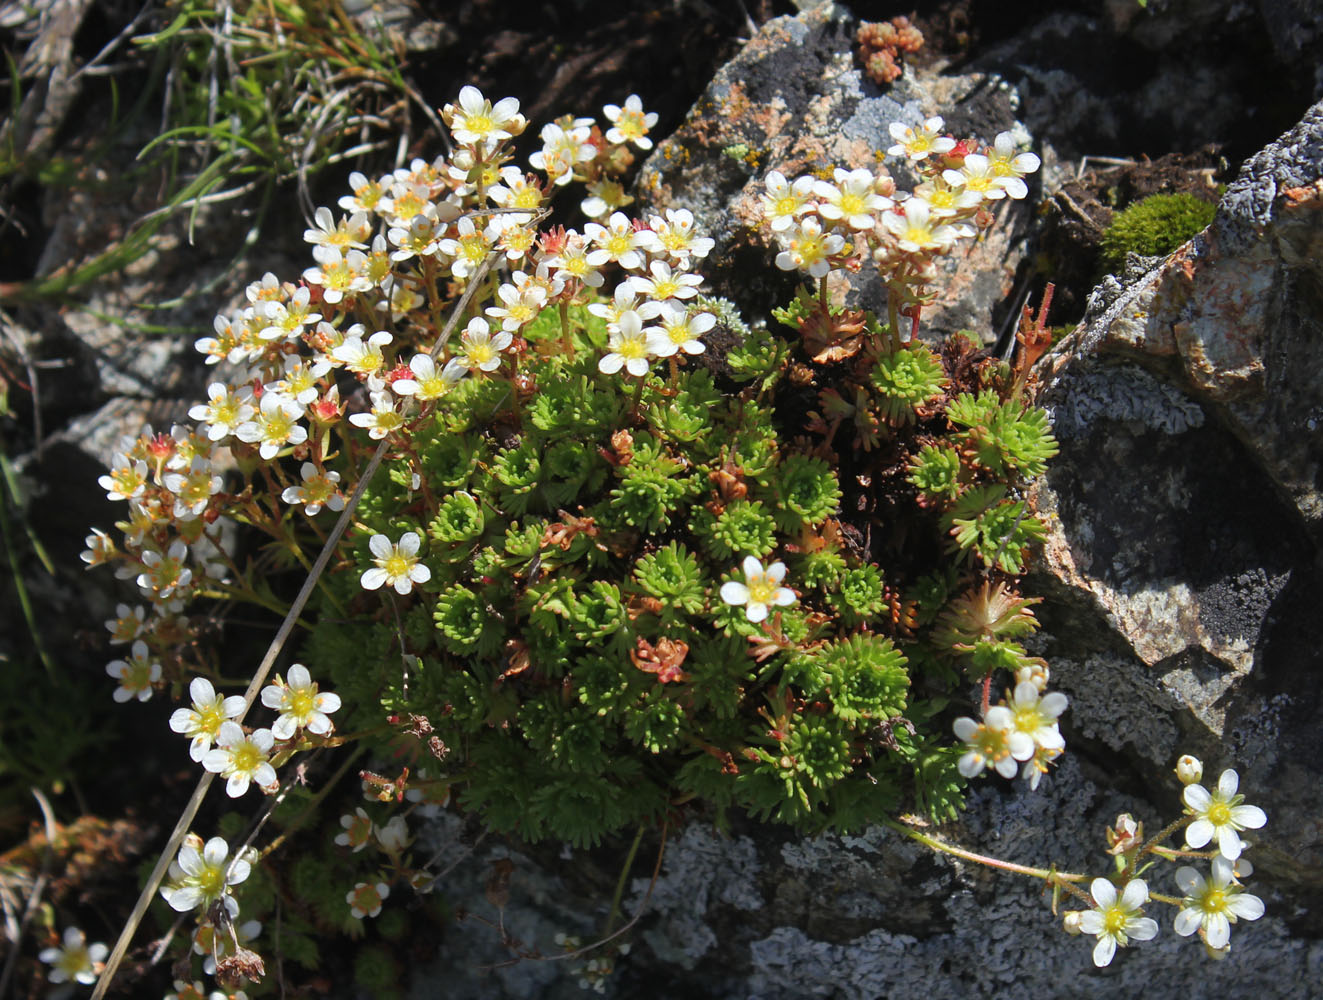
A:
[1216,954]
[1126,836]
[1070,922]
[1189,769]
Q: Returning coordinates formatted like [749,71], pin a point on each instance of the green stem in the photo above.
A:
[620,883]
[1049,875]
[1152,843]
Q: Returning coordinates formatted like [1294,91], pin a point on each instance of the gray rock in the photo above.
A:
[793,100]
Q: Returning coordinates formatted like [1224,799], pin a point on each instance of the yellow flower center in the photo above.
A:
[787,205]
[246,756]
[919,234]
[397,566]
[1214,901]
[618,244]
[1219,814]
[301,702]
[852,204]
[675,239]
[1114,919]
[761,590]
[481,124]
[480,354]
[665,288]
[408,205]
[632,348]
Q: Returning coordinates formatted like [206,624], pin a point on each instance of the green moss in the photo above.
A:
[1154,227]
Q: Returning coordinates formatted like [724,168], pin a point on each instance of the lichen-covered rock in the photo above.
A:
[1182,570]
[793,100]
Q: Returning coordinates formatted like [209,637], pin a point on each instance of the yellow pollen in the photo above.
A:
[246,757]
[478,123]
[632,348]
[852,204]
[1219,814]
[787,205]
[528,197]
[301,703]
[665,289]
[397,566]
[761,590]
[918,235]
[1114,919]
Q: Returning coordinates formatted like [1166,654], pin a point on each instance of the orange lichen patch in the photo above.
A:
[1308,197]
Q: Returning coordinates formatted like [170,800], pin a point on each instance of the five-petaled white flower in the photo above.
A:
[242,758]
[995,742]
[396,566]
[136,675]
[318,490]
[1213,906]
[682,329]
[365,900]
[202,875]
[1116,920]
[202,722]
[630,346]
[916,230]
[479,350]
[476,121]
[75,959]
[1220,814]
[919,143]
[760,591]
[1009,166]
[299,703]
[357,830]
[630,123]
[851,198]
[785,202]
[808,248]
[1036,714]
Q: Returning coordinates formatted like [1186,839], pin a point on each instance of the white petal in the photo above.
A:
[734,593]
[964,727]
[298,676]
[373,578]
[1228,783]
[284,727]
[1229,844]
[1187,922]
[1104,950]
[1245,906]
[1135,894]
[1091,922]
[380,546]
[1190,881]
[215,851]
[1142,929]
[1198,833]
[201,691]
[971,765]
[752,567]
[756,612]
[1104,893]
[1249,817]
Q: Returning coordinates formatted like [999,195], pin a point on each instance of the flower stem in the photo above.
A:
[1049,875]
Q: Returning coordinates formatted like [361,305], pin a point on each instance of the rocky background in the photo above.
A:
[1183,565]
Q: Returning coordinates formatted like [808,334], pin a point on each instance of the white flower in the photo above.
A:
[993,742]
[241,758]
[1211,907]
[618,240]
[225,410]
[394,836]
[338,274]
[317,490]
[193,490]
[665,283]
[476,121]
[479,350]
[675,236]
[682,330]
[382,419]
[127,479]
[785,202]
[976,176]
[808,248]
[851,198]
[165,574]
[1221,815]
[202,722]
[357,830]
[1115,921]
[522,300]
[396,565]
[75,959]
[561,152]
[919,143]
[625,299]
[214,947]
[915,230]
[136,675]
[427,383]
[362,357]
[275,426]
[299,704]
[368,196]
[630,123]
[575,261]
[127,625]
[471,247]
[348,233]
[1189,769]
[1036,714]
[519,190]
[1009,166]
[760,591]
[630,346]
[365,900]
[203,877]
